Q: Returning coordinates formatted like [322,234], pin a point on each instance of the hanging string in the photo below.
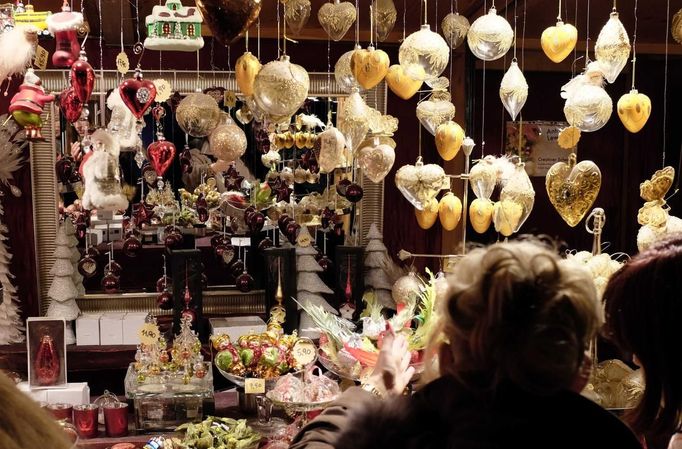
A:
[246,40]
[614,5]
[420,138]
[426,11]
[516,39]
[523,38]
[357,23]
[665,86]
[258,29]
[101,48]
[404,17]
[197,70]
[634,48]
[485,8]
[284,30]
[137,19]
[279,48]
[558,17]
[587,36]
[436,17]
[575,48]
[371,26]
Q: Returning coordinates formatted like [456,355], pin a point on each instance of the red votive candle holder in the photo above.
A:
[61,411]
[116,419]
[85,420]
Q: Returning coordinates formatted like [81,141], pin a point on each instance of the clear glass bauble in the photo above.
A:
[435,111]
[198,114]
[589,109]
[612,48]
[343,73]
[228,141]
[336,18]
[426,49]
[676,29]
[513,90]
[517,198]
[297,13]
[455,28]
[490,36]
[281,88]
[384,18]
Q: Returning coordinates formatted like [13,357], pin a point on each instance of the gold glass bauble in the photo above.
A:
[513,90]
[420,183]
[559,41]
[228,141]
[369,66]
[402,84]
[612,48]
[281,88]
[435,111]
[343,74]
[426,49]
[634,110]
[229,19]
[481,214]
[427,217]
[245,71]
[455,28]
[376,160]
[676,29]
[198,114]
[336,18]
[449,138]
[385,16]
[296,14]
[490,36]
[449,211]
[572,188]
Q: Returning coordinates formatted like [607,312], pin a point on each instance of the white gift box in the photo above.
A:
[132,323]
[111,328]
[237,326]
[74,394]
[87,329]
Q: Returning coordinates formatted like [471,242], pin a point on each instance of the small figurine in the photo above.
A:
[27,105]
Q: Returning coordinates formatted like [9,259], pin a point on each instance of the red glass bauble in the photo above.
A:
[202,208]
[244,282]
[237,268]
[186,160]
[283,221]
[163,283]
[82,78]
[292,231]
[173,241]
[256,222]
[354,193]
[160,155]
[266,243]
[248,212]
[81,231]
[70,105]
[342,186]
[165,300]
[111,283]
[137,94]
[46,363]
[326,263]
[114,268]
[189,313]
[327,217]
[132,246]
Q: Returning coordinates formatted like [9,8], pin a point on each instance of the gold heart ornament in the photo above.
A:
[369,66]
[634,110]
[559,41]
[449,211]
[481,214]
[427,217]
[402,84]
[572,188]
[246,69]
[449,138]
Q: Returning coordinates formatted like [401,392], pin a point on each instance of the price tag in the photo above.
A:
[230,99]
[122,63]
[41,58]
[304,351]
[163,90]
[149,334]
[254,386]
[240,241]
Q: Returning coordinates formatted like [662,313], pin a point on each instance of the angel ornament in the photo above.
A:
[654,216]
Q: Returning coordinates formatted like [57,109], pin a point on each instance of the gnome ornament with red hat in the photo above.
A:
[27,105]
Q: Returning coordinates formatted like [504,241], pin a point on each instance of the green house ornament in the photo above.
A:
[173,27]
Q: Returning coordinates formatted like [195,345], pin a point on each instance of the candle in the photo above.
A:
[85,420]
[116,419]
[61,411]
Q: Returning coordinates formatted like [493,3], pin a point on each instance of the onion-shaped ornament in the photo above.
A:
[296,14]
[426,49]
[490,36]
[281,88]
[385,15]
[612,48]
[455,28]
[513,90]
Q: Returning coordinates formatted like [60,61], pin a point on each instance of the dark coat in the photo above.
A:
[446,415]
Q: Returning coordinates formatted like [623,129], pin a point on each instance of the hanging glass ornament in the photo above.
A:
[612,48]
[354,120]
[337,18]
[449,211]
[244,115]
[228,141]
[420,183]
[385,16]
[427,218]
[296,14]
[198,114]
[376,160]
[490,36]
[559,41]
[481,214]
[403,84]
[435,111]
[449,138]
[455,28]
[245,71]
[634,110]
[676,29]
[517,198]
[343,74]
[281,88]
[588,106]
[427,50]
[331,144]
[513,90]
[369,66]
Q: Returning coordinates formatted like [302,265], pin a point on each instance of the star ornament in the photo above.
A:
[142,214]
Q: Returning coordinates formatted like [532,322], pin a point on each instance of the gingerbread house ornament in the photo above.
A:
[173,27]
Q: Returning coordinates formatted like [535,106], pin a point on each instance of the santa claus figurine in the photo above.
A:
[27,105]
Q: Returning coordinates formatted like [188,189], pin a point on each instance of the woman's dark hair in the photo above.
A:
[643,312]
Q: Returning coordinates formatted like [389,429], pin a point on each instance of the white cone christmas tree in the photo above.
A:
[310,286]
[64,290]
[11,325]
[380,270]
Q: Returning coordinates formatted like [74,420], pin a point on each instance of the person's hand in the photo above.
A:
[392,372]
[582,377]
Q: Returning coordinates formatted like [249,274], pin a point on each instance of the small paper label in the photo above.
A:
[304,351]
[254,386]
[122,63]
[230,99]
[163,90]
[149,334]
[241,241]
[41,58]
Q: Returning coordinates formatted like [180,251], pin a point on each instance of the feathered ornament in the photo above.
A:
[18,48]
[588,106]
[123,123]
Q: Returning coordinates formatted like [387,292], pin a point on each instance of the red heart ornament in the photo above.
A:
[82,78]
[138,94]
[70,105]
[161,154]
